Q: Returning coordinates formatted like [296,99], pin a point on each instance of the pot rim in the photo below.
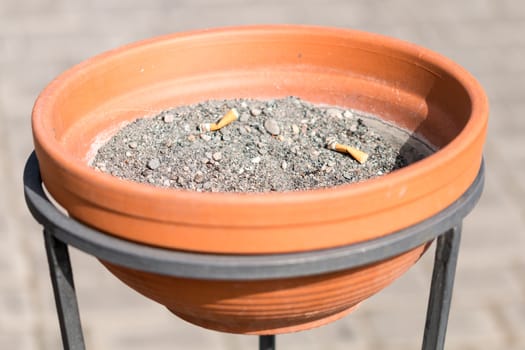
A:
[477,121]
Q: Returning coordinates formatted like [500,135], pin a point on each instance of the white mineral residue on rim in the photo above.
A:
[101,139]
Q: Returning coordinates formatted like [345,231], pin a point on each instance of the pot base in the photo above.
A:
[286,327]
[268,306]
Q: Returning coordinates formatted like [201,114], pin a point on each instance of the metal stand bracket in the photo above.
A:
[441,289]
[64,290]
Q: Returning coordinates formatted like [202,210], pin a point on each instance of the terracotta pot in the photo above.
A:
[402,83]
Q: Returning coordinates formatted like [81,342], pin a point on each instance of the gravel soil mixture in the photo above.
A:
[274,145]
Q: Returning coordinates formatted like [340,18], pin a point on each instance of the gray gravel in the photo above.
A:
[275,145]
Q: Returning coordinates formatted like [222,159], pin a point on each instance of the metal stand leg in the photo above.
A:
[64,290]
[267,342]
[441,289]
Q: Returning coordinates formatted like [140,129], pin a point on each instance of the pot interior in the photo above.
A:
[395,83]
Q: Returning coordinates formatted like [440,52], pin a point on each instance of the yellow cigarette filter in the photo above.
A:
[226,119]
[357,154]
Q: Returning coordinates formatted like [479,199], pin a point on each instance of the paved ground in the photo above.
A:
[41,38]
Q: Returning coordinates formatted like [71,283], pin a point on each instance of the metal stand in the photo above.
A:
[64,289]
[61,231]
[441,289]
[267,342]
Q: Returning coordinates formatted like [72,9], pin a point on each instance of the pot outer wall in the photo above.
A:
[271,306]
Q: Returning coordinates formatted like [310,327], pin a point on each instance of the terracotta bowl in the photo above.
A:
[402,83]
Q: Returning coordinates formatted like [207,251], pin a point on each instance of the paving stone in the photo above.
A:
[509,90]
[512,9]
[500,240]
[484,286]
[346,333]
[389,330]
[17,340]
[162,332]
[513,318]
[475,328]
[16,9]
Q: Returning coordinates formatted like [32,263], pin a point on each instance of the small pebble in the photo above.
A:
[272,127]
[353,128]
[169,118]
[199,177]
[133,145]
[153,163]
[205,137]
[295,129]
[217,156]
[256,160]
[304,127]
[348,114]
[348,176]
[191,138]
[284,165]
[255,112]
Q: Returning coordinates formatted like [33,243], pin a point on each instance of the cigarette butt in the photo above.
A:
[226,119]
[357,154]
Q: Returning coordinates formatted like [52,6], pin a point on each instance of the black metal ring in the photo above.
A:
[237,267]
